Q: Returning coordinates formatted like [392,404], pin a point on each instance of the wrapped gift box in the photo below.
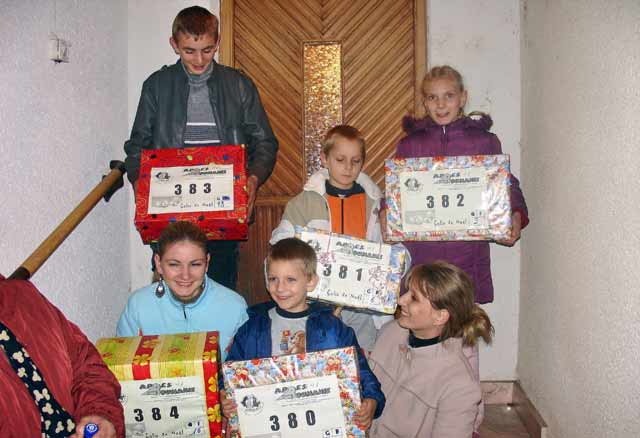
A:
[299,372]
[355,272]
[169,383]
[203,185]
[448,198]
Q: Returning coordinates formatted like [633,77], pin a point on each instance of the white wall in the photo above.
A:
[481,38]
[60,125]
[579,319]
[148,47]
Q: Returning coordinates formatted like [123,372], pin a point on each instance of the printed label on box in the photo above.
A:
[446,199]
[169,407]
[352,272]
[298,409]
[186,189]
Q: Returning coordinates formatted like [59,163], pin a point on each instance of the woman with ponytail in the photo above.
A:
[431,388]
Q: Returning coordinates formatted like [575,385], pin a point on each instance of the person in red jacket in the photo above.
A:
[53,380]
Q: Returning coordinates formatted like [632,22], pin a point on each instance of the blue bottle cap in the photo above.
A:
[90,429]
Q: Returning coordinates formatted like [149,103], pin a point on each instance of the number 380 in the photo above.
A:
[292,420]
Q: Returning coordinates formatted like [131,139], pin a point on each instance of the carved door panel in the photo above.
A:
[372,54]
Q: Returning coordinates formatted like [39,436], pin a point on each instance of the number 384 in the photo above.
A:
[292,420]
[155,413]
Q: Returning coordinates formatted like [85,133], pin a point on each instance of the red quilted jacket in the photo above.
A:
[70,364]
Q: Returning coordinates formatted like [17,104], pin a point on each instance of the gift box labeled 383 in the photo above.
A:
[448,198]
[169,383]
[203,185]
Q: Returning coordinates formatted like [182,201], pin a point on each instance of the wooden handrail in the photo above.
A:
[110,182]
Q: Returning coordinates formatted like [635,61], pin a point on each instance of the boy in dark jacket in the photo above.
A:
[290,325]
[198,102]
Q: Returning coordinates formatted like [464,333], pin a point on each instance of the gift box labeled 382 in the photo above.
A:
[448,198]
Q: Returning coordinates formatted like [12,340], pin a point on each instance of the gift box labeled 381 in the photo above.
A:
[169,383]
[203,185]
[354,272]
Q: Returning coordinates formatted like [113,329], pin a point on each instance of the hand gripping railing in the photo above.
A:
[105,189]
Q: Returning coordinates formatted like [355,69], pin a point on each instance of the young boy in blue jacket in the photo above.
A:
[290,325]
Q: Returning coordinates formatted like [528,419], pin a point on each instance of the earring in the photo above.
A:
[160,288]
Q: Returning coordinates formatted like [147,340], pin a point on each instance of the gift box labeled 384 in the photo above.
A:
[169,383]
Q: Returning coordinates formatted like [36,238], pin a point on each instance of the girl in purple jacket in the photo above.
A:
[447,131]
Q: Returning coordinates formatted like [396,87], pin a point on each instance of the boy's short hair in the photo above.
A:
[292,249]
[338,132]
[195,21]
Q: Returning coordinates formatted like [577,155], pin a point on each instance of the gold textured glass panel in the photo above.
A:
[322,63]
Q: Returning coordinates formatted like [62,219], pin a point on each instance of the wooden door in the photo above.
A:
[383,53]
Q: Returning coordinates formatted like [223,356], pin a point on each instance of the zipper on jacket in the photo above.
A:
[184,311]
[443,140]
[342,215]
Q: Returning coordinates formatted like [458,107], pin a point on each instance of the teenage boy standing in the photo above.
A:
[198,102]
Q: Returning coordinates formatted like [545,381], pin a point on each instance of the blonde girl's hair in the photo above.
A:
[449,288]
[338,132]
[443,72]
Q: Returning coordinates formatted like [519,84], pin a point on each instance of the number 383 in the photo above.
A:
[191,189]
[292,420]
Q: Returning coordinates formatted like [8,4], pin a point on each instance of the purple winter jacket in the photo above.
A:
[465,136]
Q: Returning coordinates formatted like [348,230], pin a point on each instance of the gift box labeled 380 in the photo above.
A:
[313,394]
[169,383]
[203,185]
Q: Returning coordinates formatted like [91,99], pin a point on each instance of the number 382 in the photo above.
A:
[444,201]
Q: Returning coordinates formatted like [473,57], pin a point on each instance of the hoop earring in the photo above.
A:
[160,290]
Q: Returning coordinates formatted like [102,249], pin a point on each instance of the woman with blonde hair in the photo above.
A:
[430,386]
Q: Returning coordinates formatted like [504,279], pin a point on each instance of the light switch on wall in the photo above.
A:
[58,49]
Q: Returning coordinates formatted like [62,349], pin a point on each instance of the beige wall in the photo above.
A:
[579,343]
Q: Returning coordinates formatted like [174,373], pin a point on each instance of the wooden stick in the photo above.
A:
[55,239]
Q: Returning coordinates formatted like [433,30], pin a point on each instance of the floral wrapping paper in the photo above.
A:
[166,356]
[256,372]
[382,289]
[218,225]
[496,202]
